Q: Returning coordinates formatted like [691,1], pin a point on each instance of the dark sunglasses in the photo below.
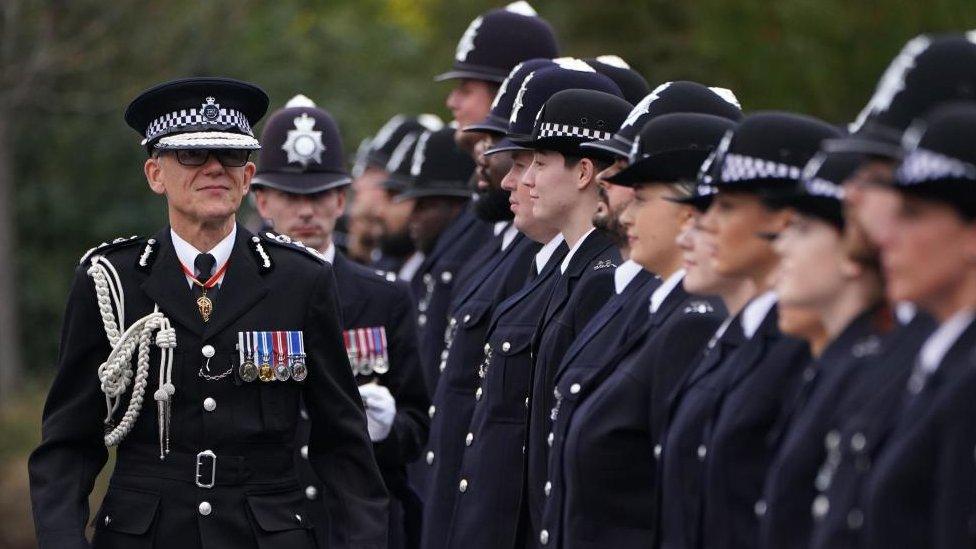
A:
[232,158]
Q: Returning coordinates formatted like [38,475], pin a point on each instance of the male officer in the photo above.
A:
[212,463]
[300,188]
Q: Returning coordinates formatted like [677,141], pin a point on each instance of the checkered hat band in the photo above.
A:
[738,167]
[195,118]
[822,187]
[548,129]
[922,165]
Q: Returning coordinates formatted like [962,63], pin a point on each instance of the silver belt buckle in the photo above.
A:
[213,468]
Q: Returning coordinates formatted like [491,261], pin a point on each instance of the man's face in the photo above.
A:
[198,194]
[470,102]
[696,259]
[613,200]
[553,188]
[812,262]
[429,218]
[395,214]
[492,204]
[737,223]
[652,224]
[372,178]
[310,218]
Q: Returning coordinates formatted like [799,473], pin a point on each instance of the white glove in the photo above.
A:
[380,410]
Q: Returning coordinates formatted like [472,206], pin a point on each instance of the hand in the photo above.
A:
[380,410]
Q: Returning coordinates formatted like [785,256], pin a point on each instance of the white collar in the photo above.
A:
[329,252]
[410,266]
[509,236]
[187,254]
[498,227]
[755,312]
[572,251]
[664,290]
[543,255]
[905,311]
[938,344]
[623,274]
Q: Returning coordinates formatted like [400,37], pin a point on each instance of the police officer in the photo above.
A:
[631,83]
[194,340]
[300,188]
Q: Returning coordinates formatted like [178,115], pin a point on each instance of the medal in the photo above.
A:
[281,370]
[349,338]
[296,351]
[204,304]
[365,367]
[382,356]
[247,370]
[265,372]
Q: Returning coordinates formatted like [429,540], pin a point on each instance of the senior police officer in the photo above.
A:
[219,317]
[300,188]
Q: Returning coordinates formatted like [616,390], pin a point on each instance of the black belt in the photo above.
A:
[207,468]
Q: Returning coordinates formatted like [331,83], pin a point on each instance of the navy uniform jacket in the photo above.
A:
[683,450]
[790,484]
[256,500]
[456,394]
[486,514]
[578,294]
[854,442]
[905,503]
[607,421]
[433,285]
[765,371]
[369,300]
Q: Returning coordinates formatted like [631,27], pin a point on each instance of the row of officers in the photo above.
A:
[586,313]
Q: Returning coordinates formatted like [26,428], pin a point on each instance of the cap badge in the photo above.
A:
[893,80]
[466,43]
[419,154]
[517,105]
[210,109]
[644,106]
[304,144]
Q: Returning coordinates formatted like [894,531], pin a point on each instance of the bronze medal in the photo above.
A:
[265,373]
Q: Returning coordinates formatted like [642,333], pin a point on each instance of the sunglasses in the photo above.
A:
[231,158]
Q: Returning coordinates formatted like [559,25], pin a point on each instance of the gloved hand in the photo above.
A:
[380,410]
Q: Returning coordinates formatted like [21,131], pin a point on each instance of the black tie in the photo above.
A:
[204,265]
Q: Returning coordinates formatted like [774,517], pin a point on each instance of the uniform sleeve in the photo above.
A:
[340,451]
[955,478]
[406,383]
[72,452]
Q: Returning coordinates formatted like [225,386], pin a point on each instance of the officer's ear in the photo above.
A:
[154,174]
[249,170]
[340,201]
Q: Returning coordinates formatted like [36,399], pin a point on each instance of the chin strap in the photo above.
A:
[116,374]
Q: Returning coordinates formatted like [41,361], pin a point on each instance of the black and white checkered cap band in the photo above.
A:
[821,187]
[185,118]
[739,167]
[548,129]
[922,165]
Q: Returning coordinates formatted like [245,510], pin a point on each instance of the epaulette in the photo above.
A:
[286,242]
[104,247]
[390,276]
[699,307]
[604,264]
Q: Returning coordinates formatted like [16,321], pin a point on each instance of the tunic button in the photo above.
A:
[821,504]
[549,440]
[858,442]
[467,318]
[204,508]
[477,394]
[430,457]
[304,414]
[657,451]
[544,537]
[506,346]
[311,492]
[209,404]
[446,277]
[208,351]
[702,452]
[304,451]
[463,485]
[469,439]
[422,319]
[548,488]
[443,365]
[759,508]
[298,518]
[108,520]
[487,348]
[431,410]
[574,388]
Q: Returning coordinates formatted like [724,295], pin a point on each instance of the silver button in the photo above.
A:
[477,394]
[469,439]
[526,402]
[544,537]
[467,318]
[858,442]
[304,451]
[209,404]
[431,410]
[657,451]
[506,346]
[421,319]
[430,457]
[832,440]
[446,277]
[759,508]
[445,353]
[855,519]
[821,504]
[208,351]
[311,492]
[463,485]
[304,414]
[108,520]
[204,508]
[549,440]
[574,388]
[702,452]
[548,488]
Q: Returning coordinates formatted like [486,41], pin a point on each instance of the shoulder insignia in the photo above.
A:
[390,276]
[265,264]
[148,256]
[604,264]
[287,242]
[700,307]
[870,345]
[117,243]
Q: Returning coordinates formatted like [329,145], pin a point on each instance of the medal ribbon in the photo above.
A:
[363,346]
[265,351]
[279,346]
[296,346]
[240,346]
[382,331]
[212,281]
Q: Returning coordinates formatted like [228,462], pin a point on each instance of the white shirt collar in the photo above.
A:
[330,253]
[187,254]
[572,251]
[509,236]
[664,290]
[938,344]
[543,255]
[623,274]
[905,311]
[755,312]
[410,266]
[499,226]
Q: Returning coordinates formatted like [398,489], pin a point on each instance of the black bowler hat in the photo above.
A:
[700,199]
[766,153]
[389,137]
[820,192]
[670,98]
[929,70]
[574,116]
[940,158]
[499,39]
[501,109]
[200,113]
[631,83]
[438,167]
[302,151]
[399,164]
[671,148]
